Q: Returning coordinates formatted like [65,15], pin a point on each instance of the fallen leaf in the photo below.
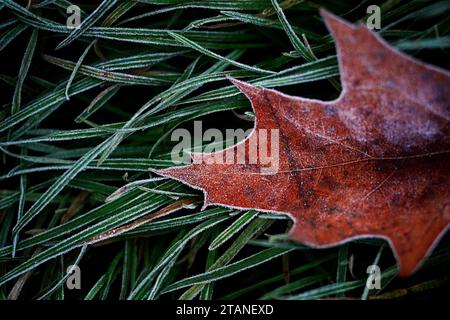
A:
[373,163]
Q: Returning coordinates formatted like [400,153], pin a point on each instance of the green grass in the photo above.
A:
[87,112]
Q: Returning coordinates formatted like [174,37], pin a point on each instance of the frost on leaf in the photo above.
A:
[374,162]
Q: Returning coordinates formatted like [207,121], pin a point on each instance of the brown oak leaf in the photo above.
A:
[373,163]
